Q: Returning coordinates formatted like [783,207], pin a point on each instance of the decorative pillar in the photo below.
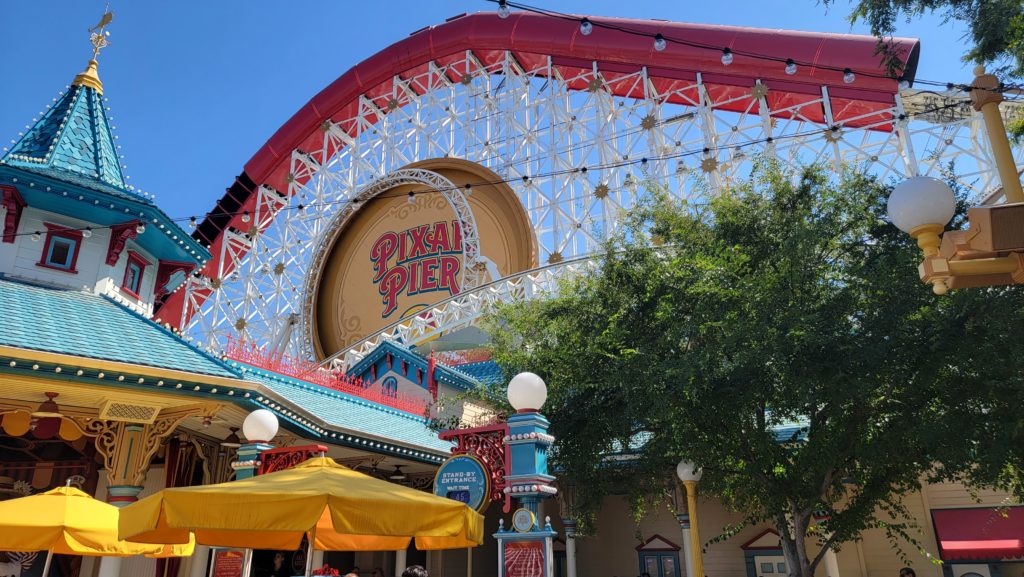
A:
[684,524]
[570,546]
[527,548]
[128,448]
[248,459]
[691,508]
[566,504]
[401,561]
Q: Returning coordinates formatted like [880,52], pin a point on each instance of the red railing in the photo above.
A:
[464,357]
[287,457]
[310,372]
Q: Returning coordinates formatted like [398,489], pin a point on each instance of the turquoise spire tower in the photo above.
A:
[73,142]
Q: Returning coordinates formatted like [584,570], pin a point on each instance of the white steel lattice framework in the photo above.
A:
[576,148]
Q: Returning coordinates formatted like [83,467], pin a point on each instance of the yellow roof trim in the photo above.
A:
[115,366]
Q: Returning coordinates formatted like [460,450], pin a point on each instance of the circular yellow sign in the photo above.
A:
[392,257]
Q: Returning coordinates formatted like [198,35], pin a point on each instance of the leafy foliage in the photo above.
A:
[780,338]
[996,27]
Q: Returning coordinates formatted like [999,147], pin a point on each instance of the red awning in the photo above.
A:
[982,534]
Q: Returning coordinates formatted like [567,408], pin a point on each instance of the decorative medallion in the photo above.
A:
[595,85]
[709,164]
[523,520]
[601,190]
[555,257]
[759,91]
[648,122]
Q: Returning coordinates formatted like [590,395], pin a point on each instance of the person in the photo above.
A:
[378,572]
[907,572]
[415,571]
[279,569]
[353,573]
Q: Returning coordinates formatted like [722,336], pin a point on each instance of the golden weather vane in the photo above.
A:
[98,35]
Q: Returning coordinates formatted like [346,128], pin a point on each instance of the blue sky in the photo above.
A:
[197,86]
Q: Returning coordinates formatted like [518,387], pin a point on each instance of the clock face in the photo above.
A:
[522,520]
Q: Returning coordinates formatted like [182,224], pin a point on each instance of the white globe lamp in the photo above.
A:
[921,206]
[260,425]
[527,392]
[688,471]
[921,201]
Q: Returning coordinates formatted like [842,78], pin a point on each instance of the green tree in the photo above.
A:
[995,27]
[779,337]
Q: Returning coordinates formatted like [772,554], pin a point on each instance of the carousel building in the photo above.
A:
[338,281]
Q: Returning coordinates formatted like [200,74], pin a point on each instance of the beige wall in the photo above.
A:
[612,552]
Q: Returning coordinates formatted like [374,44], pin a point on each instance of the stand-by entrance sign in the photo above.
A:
[464,478]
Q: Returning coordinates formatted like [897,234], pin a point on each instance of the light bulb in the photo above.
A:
[140,229]
[849,76]
[904,84]
[87,232]
[412,198]
[920,201]
[659,43]
[503,10]
[36,236]
[586,27]
[245,216]
[790,67]
[726,56]
[192,222]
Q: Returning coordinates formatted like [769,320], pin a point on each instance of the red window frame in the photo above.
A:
[136,259]
[57,231]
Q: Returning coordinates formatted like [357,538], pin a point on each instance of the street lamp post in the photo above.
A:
[689,473]
[991,251]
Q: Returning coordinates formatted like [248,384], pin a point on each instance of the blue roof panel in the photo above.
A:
[352,413]
[88,325]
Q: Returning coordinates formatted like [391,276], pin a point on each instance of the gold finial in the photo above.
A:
[98,36]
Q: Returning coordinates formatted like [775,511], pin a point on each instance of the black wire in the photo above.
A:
[527,178]
[745,53]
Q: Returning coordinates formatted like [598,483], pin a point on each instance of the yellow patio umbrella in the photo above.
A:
[68,521]
[340,509]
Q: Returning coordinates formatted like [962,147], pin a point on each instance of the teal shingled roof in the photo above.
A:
[339,410]
[88,325]
[72,142]
[486,372]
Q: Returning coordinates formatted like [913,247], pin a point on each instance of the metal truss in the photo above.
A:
[578,159]
[465,309]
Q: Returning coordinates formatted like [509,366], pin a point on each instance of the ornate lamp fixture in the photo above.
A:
[991,251]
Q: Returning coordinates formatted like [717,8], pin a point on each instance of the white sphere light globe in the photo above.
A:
[527,392]
[919,201]
[688,471]
[260,425]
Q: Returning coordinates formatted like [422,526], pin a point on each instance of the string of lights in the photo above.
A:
[643,164]
[661,42]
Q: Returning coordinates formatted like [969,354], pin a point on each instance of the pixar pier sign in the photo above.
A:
[417,260]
